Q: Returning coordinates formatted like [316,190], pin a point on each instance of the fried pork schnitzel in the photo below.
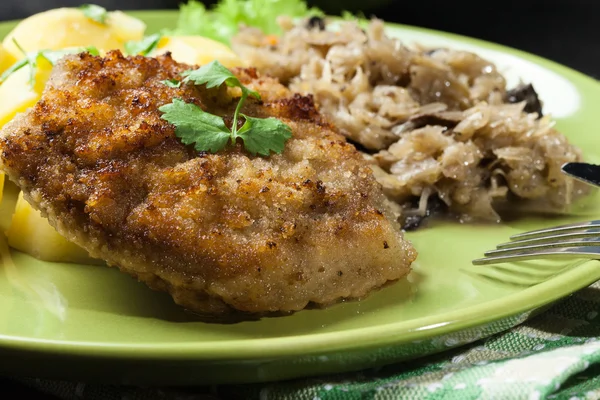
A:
[220,232]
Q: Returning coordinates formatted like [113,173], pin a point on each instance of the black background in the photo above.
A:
[566,31]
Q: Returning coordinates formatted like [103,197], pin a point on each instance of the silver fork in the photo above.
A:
[578,240]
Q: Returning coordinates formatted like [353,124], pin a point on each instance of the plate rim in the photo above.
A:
[581,275]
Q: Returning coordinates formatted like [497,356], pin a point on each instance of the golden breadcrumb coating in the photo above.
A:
[219,232]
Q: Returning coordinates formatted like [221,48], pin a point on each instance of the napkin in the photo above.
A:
[555,355]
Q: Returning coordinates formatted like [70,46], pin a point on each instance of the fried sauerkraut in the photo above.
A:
[439,125]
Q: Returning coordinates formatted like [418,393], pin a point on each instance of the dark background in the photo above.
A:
[566,31]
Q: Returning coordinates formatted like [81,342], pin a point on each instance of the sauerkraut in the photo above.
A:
[439,125]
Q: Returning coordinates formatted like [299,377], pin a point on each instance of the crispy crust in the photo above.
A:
[219,232]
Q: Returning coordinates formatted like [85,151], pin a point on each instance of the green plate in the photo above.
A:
[95,324]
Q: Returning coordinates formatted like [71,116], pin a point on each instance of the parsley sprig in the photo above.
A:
[143,47]
[208,132]
[31,59]
[172,83]
[95,13]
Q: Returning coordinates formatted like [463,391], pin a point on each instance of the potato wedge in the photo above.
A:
[197,50]
[16,92]
[68,27]
[31,233]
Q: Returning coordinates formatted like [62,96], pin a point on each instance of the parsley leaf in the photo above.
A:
[95,13]
[143,47]
[29,59]
[215,74]
[263,135]
[208,132]
[52,56]
[194,126]
[172,83]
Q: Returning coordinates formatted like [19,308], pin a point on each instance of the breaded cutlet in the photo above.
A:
[220,232]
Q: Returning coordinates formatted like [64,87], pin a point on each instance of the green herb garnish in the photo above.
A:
[348,16]
[95,13]
[172,83]
[263,135]
[194,126]
[143,47]
[215,74]
[223,20]
[53,56]
[31,59]
[208,132]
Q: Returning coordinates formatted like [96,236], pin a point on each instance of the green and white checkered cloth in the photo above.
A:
[556,355]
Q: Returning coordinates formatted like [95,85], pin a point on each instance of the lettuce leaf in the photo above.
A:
[222,21]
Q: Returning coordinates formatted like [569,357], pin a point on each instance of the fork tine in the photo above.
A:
[590,233]
[558,229]
[589,252]
[544,246]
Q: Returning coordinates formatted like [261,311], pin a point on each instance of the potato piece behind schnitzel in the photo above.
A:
[29,232]
[61,28]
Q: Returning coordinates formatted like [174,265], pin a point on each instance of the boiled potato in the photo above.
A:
[16,92]
[31,233]
[6,59]
[69,27]
[197,50]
